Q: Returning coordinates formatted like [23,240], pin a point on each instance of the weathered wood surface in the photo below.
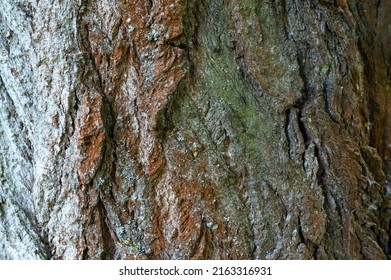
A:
[197,129]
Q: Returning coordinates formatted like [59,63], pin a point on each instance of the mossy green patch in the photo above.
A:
[324,70]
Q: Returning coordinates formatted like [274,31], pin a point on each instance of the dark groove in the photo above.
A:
[378,4]
[85,254]
[303,130]
[150,3]
[109,249]
[287,133]
[300,231]
[42,233]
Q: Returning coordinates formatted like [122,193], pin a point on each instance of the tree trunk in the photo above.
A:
[195,129]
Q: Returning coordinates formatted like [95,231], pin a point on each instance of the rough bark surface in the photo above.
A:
[195,129]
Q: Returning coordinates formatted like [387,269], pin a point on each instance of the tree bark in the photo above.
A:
[195,129]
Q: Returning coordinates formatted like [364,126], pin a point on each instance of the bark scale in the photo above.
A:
[195,129]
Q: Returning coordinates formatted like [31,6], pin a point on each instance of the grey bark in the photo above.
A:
[194,129]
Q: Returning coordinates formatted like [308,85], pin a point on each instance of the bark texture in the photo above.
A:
[195,129]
